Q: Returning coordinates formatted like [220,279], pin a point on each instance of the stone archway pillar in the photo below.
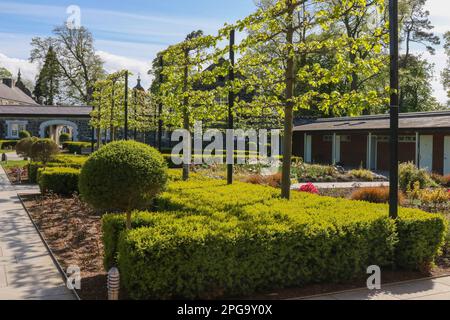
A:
[71,124]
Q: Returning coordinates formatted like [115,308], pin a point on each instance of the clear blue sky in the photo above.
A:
[127,33]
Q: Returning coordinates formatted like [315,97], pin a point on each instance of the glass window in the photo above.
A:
[15,128]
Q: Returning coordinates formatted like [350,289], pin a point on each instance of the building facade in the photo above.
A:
[424,139]
[45,121]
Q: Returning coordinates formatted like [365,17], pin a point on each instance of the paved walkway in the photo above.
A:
[26,268]
[432,289]
[344,185]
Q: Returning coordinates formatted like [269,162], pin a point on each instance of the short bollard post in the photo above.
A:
[113,284]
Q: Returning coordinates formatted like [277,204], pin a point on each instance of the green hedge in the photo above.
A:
[233,240]
[76,147]
[8,144]
[59,180]
[33,167]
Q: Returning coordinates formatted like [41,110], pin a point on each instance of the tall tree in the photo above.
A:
[299,30]
[416,29]
[47,88]
[5,73]
[79,65]
[446,73]
[416,86]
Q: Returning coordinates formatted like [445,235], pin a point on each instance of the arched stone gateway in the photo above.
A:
[59,123]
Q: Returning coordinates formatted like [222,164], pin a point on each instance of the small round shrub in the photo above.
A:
[124,175]
[64,137]
[24,134]
[44,150]
[23,147]
[409,174]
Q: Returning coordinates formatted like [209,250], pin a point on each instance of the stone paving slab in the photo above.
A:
[343,185]
[431,289]
[27,270]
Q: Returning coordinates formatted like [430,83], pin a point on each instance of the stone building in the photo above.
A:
[18,112]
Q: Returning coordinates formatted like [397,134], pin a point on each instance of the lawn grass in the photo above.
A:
[14,164]
[6,151]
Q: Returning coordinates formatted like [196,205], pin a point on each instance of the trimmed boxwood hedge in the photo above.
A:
[210,240]
[76,147]
[8,144]
[59,180]
[33,168]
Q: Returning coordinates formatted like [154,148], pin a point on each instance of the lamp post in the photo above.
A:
[126,105]
[394,108]
[231,97]
[160,105]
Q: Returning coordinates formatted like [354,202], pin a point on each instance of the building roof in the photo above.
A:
[15,94]
[31,111]
[418,120]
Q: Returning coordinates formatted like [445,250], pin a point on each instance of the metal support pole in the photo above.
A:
[92,136]
[369,151]
[333,149]
[160,105]
[394,82]
[417,150]
[231,101]
[126,105]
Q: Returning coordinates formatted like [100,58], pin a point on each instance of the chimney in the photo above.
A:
[8,82]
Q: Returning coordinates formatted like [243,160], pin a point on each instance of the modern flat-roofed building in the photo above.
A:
[364,141]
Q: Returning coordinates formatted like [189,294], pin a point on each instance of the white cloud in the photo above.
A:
[28,70]
[115,63]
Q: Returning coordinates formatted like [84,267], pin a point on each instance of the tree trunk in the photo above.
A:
[185,109]
[128,220]
[289,116]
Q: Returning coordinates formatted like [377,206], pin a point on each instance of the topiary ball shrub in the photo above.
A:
[44,150]
[23,147]
[64,137]
[124,175]
[24,134]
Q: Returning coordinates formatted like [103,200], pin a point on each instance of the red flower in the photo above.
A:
[309,188]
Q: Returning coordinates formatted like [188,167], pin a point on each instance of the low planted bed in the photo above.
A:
[210,240]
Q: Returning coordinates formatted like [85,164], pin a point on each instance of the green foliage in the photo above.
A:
[446,73]
[74,162]
[70,160]
[47,86]
[207,234]
[64,137]
[124,176]
[363,174]
[44,150]
[313,172]
[24,134]
[5,73]
[409,174]
[23,147]
[421,238]
[79,65]
[76,147]
[59,180]
[8,144]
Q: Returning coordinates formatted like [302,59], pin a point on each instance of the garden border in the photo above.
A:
[55,261]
